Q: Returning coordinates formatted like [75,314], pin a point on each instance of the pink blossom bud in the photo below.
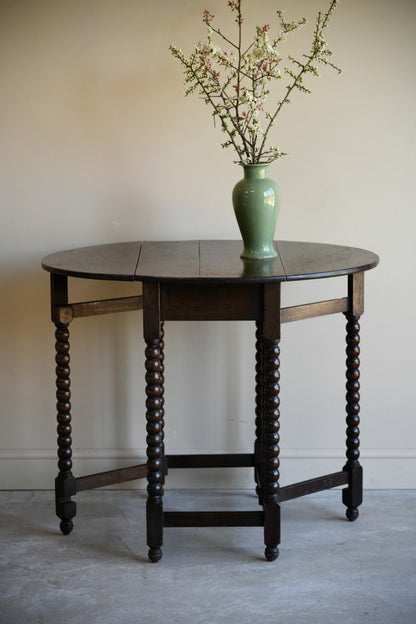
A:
[207,16]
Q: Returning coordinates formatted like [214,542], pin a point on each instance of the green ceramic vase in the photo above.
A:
[256,206]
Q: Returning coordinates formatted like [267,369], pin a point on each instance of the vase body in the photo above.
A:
[256,207]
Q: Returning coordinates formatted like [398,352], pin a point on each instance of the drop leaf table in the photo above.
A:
[204,281]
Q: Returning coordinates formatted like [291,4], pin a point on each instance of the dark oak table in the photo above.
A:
[198,281]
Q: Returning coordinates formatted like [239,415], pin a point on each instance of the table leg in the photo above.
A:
[155,450]
[267,439]
[162,381]
[352,496]
[259,411]
[65,485]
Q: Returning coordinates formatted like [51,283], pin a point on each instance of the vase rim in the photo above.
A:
[259,164]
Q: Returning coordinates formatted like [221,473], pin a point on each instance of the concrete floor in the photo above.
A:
[329,570]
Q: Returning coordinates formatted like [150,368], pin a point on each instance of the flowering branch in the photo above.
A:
[236,83]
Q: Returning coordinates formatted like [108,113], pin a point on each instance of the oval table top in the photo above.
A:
[207,260]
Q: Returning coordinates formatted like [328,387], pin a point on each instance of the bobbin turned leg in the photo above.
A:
[266,449]
[155,461]
[156,464]
[65,485]
[162,382]
[270,449]
[259,410]
[352,496]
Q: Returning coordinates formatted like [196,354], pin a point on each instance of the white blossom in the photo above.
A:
[236,82]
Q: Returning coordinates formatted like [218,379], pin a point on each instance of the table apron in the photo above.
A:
[224,302]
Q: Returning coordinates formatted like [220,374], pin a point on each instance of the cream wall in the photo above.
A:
[98,145]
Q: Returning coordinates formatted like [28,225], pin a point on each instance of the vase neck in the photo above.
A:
[255,171]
